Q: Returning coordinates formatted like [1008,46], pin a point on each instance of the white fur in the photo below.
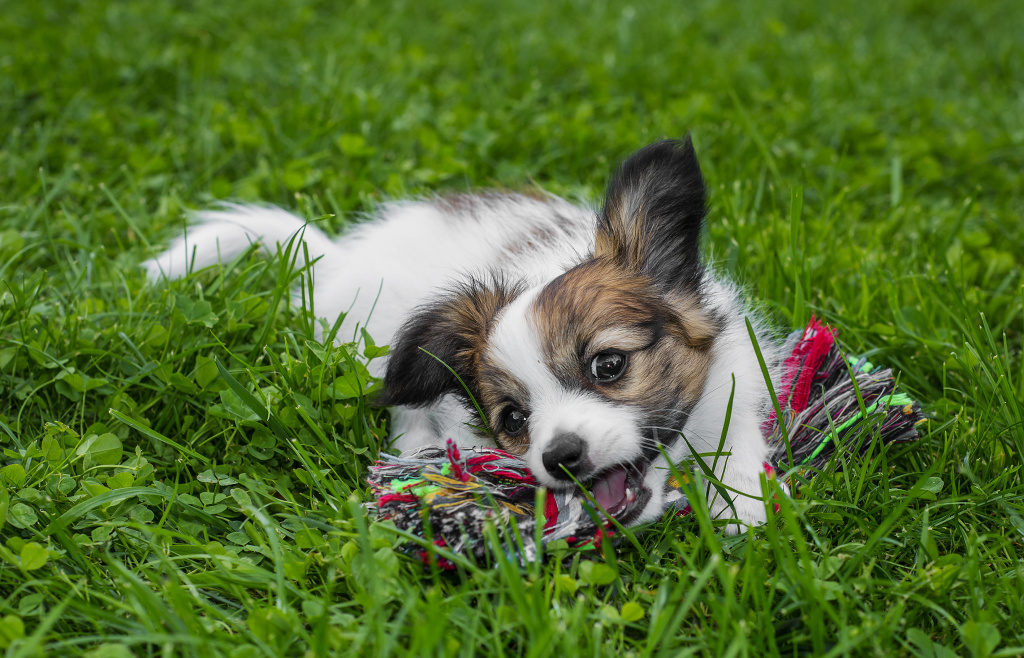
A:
[414,250]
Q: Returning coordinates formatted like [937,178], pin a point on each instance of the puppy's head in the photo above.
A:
[589,374]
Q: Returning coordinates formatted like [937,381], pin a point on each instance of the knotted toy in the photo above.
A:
[830,404]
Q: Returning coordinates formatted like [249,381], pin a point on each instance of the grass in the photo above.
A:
[866,165]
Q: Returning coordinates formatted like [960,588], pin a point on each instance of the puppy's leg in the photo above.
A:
[739,463]
[740,469]
[735,375]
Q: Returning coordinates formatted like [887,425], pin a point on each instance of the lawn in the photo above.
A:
[182,464]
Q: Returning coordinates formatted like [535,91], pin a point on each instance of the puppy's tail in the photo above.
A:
[223,234]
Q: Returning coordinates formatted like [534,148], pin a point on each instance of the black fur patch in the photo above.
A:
[453,330]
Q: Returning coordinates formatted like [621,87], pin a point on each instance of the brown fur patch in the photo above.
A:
[497,390]
[699,326]
[470,319]
[623,237]
[528,243]
[598,306]
[470,203]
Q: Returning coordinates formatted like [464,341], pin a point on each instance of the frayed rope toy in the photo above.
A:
[461,492]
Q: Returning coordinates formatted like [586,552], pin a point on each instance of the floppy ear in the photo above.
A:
[453,330]
[653,213]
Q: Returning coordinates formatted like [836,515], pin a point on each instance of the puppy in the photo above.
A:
[595,343]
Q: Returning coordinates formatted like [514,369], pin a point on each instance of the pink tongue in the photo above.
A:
[610,491]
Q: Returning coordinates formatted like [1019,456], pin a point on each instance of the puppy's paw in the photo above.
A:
[748,512]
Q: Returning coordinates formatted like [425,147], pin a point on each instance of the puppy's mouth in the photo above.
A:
[620,491]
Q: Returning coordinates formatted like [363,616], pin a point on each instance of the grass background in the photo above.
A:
[865,163]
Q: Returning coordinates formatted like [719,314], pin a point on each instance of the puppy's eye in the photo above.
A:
[607,366]
[513,420]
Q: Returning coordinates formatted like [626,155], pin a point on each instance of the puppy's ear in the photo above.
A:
[453,330]
[653,214]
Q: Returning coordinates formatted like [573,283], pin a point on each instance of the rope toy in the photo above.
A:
[831,405]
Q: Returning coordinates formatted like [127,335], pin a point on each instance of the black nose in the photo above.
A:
[567,450]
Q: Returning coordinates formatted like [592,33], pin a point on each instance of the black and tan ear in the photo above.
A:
[449,333]
[653,214]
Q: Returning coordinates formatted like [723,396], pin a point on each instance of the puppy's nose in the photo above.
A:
[568,450]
